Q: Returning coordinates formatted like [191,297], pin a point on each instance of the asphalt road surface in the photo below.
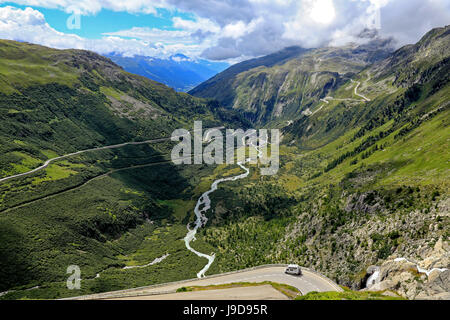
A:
[264,292]
[307,282]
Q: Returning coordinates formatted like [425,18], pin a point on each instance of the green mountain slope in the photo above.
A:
[65,101]
[221,87]
[364,174]
[422,62]
[97,209]
[289,84]
[388,95]
[361,179]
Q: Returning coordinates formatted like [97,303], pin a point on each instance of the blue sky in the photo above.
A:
[231,30]
[94,25]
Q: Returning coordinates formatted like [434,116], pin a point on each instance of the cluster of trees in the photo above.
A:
[389,111]
[367,143]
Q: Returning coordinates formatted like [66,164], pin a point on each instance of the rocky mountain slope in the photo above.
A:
[364,173]
[427,279]
[282,85]
[66,100]
[363,179]
[422,62]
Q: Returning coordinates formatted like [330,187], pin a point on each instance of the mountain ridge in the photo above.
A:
[177,71]
[363,175]
[239,84]
[290,80]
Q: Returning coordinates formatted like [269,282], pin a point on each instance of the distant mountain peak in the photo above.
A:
[368,33]
[178,71]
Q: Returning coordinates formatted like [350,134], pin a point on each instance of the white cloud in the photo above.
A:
[407,20]
[312,23]
[240,28]
[94,6]
[322,11]
[30,25]
[236,29]
[154,35]
[202,24]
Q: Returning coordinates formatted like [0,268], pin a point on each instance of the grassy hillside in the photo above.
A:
[102,210]
[363,175]
[221,87]
[344,206]
[279,87]
[349,295]
[359,180]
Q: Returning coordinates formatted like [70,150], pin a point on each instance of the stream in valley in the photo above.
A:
[204,204]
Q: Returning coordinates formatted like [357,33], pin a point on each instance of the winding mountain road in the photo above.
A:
[115,146]
[309,281]
[356,90]
[325,101]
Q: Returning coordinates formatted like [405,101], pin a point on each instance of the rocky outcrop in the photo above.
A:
[426,279]
[369,239]
[365,202]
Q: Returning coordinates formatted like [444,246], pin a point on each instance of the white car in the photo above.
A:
[293,269]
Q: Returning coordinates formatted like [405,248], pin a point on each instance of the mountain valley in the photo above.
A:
[363,179]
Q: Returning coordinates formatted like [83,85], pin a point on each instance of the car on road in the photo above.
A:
[293,269]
